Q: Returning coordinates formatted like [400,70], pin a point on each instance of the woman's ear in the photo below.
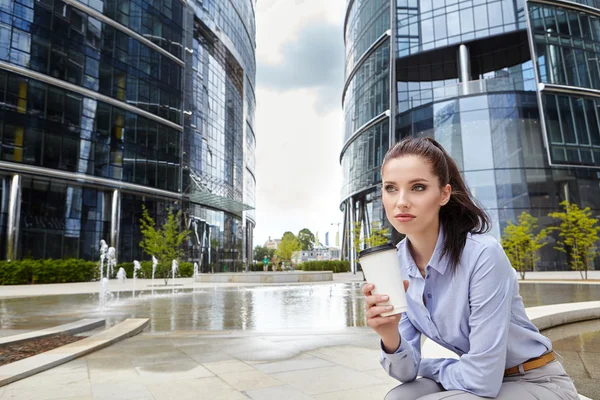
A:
[446,193]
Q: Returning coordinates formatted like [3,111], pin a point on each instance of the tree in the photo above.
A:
[165,242]
[289,243]
[577,236]
[261,251]
[379,235]
[521,243]
[306,239]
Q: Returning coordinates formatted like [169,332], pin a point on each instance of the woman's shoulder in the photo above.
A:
[478,243]
[484,249]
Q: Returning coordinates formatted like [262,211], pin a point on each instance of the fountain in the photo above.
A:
[112,261]
[136,267]
[103,251]
[121,275]
[102,296]
[154,264]
[104,293]
[174,269]
[195,269]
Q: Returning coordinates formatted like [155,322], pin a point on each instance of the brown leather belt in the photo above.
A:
[531,364]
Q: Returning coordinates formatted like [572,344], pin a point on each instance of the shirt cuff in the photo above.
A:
[404,346]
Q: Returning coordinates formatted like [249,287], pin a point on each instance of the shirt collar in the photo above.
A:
[437,262]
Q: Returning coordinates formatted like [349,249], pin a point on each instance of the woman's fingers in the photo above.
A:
[378,321]
[374,312]
[366,289]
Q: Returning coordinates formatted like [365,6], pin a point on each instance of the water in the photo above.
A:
[317,307]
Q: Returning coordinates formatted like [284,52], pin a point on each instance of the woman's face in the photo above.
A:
[412,195]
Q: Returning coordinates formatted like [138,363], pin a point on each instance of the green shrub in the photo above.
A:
[186,270]
[28,271]
[336,266]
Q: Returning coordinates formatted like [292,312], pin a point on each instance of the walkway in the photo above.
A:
[188,283]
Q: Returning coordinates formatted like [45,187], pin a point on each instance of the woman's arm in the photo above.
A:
[481,370]
[404,363]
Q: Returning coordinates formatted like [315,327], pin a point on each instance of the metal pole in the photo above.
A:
[392,72]
[464,68]
[14,217]
[115,219]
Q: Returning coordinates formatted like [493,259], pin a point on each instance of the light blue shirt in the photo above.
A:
[476,312]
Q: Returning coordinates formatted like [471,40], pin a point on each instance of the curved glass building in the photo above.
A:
[511,88]
[108,105]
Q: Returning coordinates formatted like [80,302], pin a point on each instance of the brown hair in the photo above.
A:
[461,214]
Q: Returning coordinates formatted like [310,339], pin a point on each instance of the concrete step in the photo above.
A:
[29,366]
[68,329]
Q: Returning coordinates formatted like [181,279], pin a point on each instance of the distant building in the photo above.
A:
[316,254]
[272,244]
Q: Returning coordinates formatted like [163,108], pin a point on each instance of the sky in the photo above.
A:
[299,117]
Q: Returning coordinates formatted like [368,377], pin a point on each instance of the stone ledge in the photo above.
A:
[29,366]
[68,329]
[266,277]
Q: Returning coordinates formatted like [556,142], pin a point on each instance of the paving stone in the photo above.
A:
[150,357]
[205,358]
[121,390]
[277,393]
[42,380]
[572,363]
[72,367]
[328,379]
[368,392]
[108,363]
[357,358]
[591,361]
[172,372]
[210,388]
[247,380]
[293,365]
[129,375]
[48,392]
[223,367]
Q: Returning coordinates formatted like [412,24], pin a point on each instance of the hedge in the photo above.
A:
[333,265]
[28,271]
[22,272]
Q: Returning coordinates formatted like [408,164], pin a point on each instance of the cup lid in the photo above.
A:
[377,249]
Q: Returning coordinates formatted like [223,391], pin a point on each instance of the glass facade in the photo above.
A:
[60,41]
[511,92]
[103,110]
[429,24]
[367,94]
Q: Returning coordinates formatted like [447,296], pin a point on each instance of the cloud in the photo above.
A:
[299,120]
[312,59]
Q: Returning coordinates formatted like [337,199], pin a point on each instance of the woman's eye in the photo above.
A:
[419,188]
[390,188]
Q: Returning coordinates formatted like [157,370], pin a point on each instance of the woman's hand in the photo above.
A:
[385,327]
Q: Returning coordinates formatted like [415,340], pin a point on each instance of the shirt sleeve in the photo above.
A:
[404,363]
[481,370]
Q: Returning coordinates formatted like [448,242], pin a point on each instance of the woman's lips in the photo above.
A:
[404,217]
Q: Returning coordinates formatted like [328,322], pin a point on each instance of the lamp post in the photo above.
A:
[337,233]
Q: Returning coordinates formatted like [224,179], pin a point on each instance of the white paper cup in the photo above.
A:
[382,268]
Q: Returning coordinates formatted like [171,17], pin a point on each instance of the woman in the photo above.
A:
[462,293]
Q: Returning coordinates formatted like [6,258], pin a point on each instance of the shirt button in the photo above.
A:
[428,276]
[429,296]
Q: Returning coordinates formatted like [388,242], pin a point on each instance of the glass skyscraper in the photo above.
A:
[107,105]
[511,89]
